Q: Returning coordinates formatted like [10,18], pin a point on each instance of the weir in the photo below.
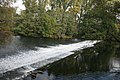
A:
[41,55]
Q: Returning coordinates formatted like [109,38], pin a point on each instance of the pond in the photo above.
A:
[50,59]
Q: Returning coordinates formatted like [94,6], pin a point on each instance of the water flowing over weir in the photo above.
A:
[41,55]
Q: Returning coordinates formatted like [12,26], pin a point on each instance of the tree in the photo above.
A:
[35,21]
[65,14]
[6,18]
[97,20]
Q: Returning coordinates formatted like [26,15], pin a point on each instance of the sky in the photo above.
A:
[19,6]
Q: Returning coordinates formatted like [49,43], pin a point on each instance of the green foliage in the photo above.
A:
[35,21]
[88,19]
[6,19]
[98,20]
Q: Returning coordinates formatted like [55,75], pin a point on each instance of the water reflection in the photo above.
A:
[98,61]
[115,65]
[89,60]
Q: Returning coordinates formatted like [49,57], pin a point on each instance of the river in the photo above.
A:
[49,59]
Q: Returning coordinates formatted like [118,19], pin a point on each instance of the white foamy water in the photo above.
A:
[33,56]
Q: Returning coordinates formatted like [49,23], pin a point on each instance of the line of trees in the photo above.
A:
[87,19]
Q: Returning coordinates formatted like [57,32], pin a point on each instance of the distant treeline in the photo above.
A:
[86,19]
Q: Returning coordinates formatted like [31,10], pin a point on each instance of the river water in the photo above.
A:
[48,59]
